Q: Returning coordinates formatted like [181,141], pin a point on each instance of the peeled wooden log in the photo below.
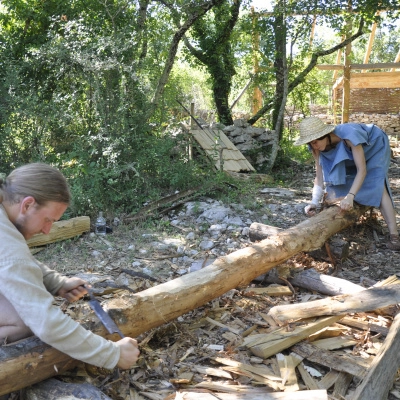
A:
[338,248]
[61,230]
[314,281]
[365,300]
[30,361]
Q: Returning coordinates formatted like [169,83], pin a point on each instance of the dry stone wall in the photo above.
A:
[389,122]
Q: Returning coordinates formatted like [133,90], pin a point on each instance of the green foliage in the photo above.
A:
[77,80]
[78,100]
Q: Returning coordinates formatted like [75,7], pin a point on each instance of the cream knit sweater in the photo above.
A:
[29,286]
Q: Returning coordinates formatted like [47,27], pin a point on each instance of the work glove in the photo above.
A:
[317,194]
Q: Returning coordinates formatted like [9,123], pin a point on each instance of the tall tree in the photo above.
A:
[212,45]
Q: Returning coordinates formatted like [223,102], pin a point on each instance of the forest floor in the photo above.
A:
[181,355]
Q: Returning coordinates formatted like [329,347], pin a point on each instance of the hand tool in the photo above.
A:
[105,319]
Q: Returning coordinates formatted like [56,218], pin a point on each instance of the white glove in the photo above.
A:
[317,194]
[309,208]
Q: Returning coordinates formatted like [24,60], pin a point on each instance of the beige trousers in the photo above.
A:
[12,328]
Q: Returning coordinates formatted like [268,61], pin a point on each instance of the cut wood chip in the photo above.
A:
[272,290]
[365,325]
[212,371]
[335,343]
[328,380]
[288,374]
[267,345]
[259,370]
[309,381]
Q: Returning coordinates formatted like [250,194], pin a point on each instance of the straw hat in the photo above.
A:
[312,128]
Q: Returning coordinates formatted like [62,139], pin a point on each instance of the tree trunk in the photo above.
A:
[29,361]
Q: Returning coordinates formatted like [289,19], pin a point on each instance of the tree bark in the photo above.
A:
[29,361]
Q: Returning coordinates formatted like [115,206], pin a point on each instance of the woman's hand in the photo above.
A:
[73,289]
[347,203]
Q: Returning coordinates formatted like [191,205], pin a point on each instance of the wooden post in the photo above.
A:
[370,43]
[396,60]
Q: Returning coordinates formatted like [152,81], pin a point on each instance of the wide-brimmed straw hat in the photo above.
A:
[312,128]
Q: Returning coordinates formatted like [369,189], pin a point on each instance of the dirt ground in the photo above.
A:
[175,356]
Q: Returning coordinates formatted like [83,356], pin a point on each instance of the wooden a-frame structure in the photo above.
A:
[362,87]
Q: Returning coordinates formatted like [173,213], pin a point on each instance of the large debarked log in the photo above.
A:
[29,361]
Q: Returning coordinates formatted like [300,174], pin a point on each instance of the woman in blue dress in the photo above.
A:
[352,162]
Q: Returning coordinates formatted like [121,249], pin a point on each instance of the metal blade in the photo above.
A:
[105,319]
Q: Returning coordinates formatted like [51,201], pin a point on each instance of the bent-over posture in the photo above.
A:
[32,197]
[352,162]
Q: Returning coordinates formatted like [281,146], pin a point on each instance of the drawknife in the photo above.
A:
[105,319]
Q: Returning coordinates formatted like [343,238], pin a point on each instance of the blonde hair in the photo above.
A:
[41,181]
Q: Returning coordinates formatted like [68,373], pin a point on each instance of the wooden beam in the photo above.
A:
[265,345]
[22,365]
[370,43]
[340,67]
[375,80]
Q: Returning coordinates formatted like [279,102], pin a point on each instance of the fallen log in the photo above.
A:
[312,280]
[381,374]
[22,365]
[365,300]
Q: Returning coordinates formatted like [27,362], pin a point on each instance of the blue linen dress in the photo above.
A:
[339,169]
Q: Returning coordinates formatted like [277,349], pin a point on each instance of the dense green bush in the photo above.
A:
[78,102]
